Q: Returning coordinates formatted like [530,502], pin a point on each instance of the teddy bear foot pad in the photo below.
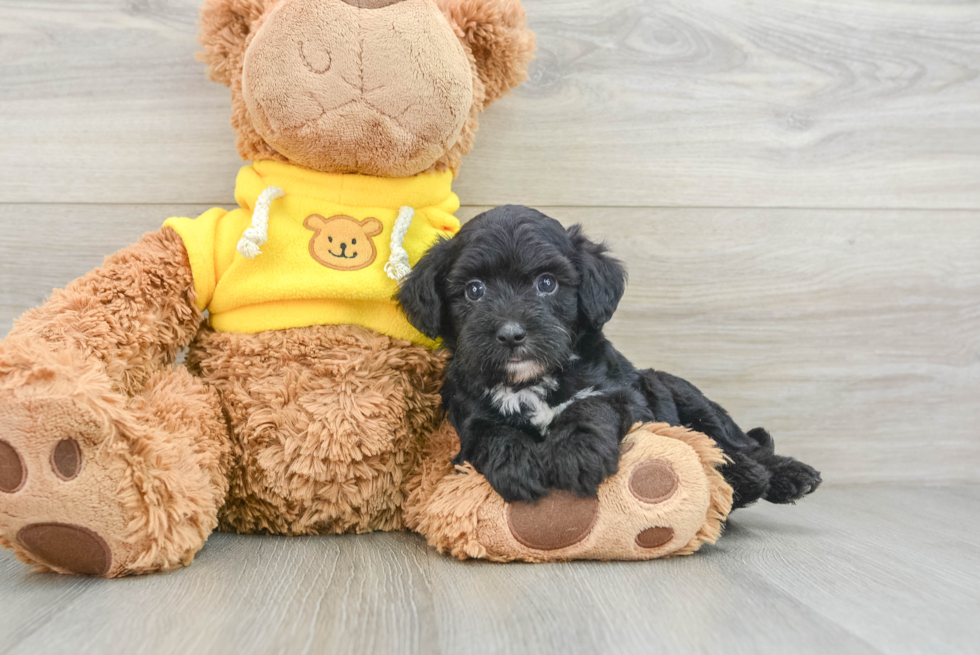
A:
[667,498]
[563,519]
[53,486]
[660,503]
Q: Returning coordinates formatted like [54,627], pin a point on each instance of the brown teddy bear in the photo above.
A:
[308,403]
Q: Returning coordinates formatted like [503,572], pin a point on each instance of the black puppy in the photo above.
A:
[539,397]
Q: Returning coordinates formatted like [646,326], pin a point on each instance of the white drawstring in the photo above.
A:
[398,267]
[258,234]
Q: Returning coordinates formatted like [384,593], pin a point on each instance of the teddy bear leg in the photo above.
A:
[94,483]
[326,421]
[666,499]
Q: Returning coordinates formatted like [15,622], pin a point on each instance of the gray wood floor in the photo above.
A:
[854,569]
[795,103]
[795,187]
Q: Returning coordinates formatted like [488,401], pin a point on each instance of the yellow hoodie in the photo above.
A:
[334,249]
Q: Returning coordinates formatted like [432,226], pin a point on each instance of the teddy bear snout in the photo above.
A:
[371,4]
[315,56]
[328,85]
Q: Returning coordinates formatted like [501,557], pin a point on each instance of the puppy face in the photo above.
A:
[512,300]
[512,294]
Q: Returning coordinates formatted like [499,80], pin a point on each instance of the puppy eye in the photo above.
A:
[546,284]
[353,242]
[330,239]
[475,290]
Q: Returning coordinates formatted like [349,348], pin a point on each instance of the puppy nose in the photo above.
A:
[511,334]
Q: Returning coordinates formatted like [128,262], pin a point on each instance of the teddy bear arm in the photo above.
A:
[120,462]
[132,315]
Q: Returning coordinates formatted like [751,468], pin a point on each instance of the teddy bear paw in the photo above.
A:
[58,509]
[666,499]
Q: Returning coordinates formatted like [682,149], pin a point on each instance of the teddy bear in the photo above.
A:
[305,403]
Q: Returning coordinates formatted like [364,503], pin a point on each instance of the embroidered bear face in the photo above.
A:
[342,242]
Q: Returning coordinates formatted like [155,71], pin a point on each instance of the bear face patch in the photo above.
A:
[342,242]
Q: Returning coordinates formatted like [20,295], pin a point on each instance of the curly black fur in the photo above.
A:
[539,397]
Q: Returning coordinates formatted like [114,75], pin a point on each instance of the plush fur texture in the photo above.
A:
[539,397]
[460,513]
[312,98]
[93,365]
[294,432]
[326,423]
[132,315]
[316,103]
[301,431]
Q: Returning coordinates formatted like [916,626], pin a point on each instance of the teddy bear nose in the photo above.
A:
[371,4]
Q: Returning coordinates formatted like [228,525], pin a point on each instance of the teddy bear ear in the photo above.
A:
[314,222]
[372,227]
[496,32]
[225,25]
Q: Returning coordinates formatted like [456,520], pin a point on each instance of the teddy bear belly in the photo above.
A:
[325,424]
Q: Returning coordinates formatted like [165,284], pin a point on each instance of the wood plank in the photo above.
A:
[43,247]
[852,335]
[630,103]
[365,594]
[755,591]
[863,556]
[853,569]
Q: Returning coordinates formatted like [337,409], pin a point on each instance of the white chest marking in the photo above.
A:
[531,400]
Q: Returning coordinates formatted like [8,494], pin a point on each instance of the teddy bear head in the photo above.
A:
[389,88]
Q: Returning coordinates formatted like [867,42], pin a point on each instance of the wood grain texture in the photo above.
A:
[630,103]
[854,569]
[854,336]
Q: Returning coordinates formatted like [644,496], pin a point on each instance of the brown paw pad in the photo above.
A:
[653,482]
[66,459]
[66,547]
[13,472]
[654,537]
[557,521]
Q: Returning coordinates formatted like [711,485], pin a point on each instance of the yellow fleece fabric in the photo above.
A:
[301,277]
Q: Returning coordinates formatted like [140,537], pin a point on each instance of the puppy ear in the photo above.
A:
[225,25]
[422,293]
[496,32]
[603,279]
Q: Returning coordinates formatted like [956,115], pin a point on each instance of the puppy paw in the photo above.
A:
[515,486]
[580,462]
[517,477]
[790,480]
[750,480]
